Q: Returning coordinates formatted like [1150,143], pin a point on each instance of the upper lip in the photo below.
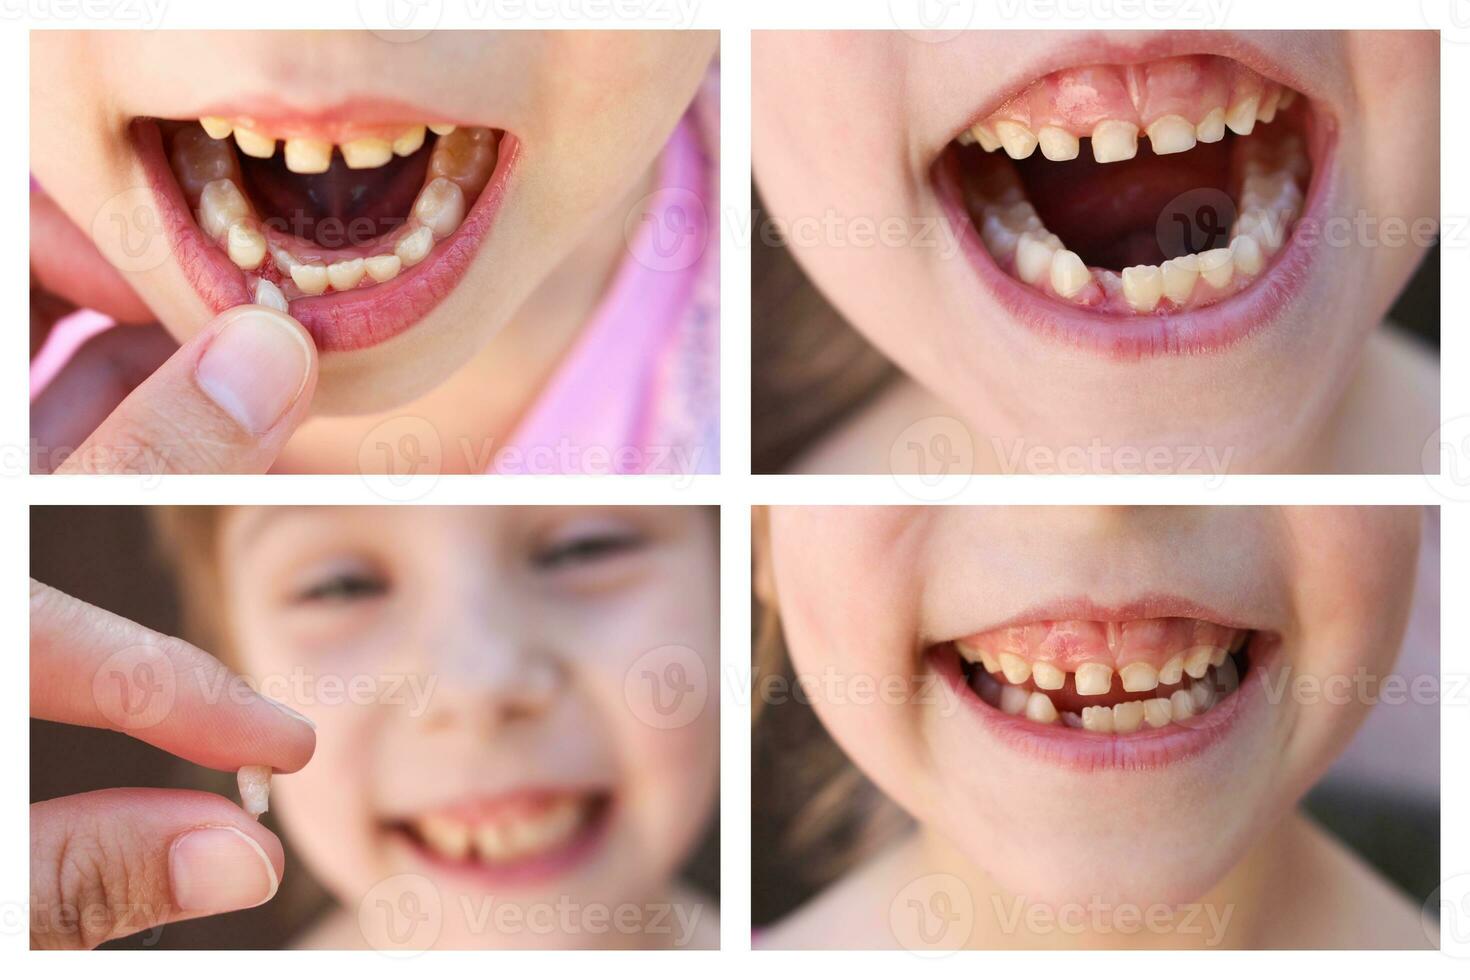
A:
[1148,605]
[338,120]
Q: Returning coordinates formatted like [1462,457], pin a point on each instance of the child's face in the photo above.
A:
[556,134]
[479,678]
[1143,804]
[858,158]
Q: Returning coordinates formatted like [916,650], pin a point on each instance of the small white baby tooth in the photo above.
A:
[246,246]
[1058,144]
[1266,111]
[1197,662]
[1143,285]
[1114,140]
[283,259]
[310,277]
[1211,129]
[1039,708]
[989,661]
[1157,712]
[1034,252]
[966,138]
[1094,679]
[1216,267]
[304,156]
[1048,677]
[1127,716]
[1013,700]
[254,144]
[1068,274]
[985,136]
[441,129]
[1071,719]
[254,783]
[221,205]
[409,141]
[269,294]
[367,152]
[413,247]
[1180,275]
[1098,718]
[1171,134]
[448,837]
[345,274]
[1172,670]
[1245,252]
[1139,676]
[1018,141]
[218,127]
[1241,116]
[1181,705]
[1017,671]
[970,654]
[1288,96]
[382,267]
[440,207]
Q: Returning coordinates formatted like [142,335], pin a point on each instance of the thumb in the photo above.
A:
[225,402]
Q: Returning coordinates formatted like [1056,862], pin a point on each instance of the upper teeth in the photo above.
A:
[502,839]
[307,155]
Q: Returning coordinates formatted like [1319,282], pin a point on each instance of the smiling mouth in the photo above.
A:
[1138,192]
[356,229]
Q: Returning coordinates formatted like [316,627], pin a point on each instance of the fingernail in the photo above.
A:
[255,368]
[290,712]
[217,869]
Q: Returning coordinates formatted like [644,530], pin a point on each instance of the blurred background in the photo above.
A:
[106,556]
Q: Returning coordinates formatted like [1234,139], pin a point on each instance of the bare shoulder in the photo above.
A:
[1391,408]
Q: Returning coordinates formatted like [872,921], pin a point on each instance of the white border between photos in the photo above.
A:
[735,491]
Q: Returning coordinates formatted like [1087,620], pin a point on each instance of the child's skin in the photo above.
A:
[864,592]
[528,655]
[589,138]
[849,124]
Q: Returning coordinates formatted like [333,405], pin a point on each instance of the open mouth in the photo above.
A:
[1139,194]
[357,230]
[513,839]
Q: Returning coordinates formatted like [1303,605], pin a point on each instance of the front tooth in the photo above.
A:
[245,245]
[1017,139]
[967,652]
[305,156]
[985,136]
[310,277]
[1241,116]
[450,838]
[1098,718]
[218,127]
[1016,670]
[1216,267]
[382,267]
[254,144]
[491,843]
[990,662]
[221,205]
[1181,705]
[441,129]
[1013,700]
[1039,708]
[1157,712]
[345,274]
[1139,676]
[1171,134]
[367,152]
[269,294]
[1114,140]
[1180,275]
[1197,661]
[409,141]
[1211,129]
[1068,274]
[1034,251]
[1142,286]
[1217,656]
[1266,111]
[412,248]
[440,207]
[1048,677]
[1057,144]
[1245,252]
[1127,716]
[1172,670]
[1094,679]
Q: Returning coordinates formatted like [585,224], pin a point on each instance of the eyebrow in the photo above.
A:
[255,519]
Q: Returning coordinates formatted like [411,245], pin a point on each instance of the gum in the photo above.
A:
[1070,643]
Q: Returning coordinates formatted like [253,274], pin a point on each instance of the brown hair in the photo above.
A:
[186,539]
[809,369]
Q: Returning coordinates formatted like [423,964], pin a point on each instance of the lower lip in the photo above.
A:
[536,870]
[1128,338]
[358,318]
[1084,751]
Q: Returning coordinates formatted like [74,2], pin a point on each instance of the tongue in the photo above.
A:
[1134,212]
[340,208]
